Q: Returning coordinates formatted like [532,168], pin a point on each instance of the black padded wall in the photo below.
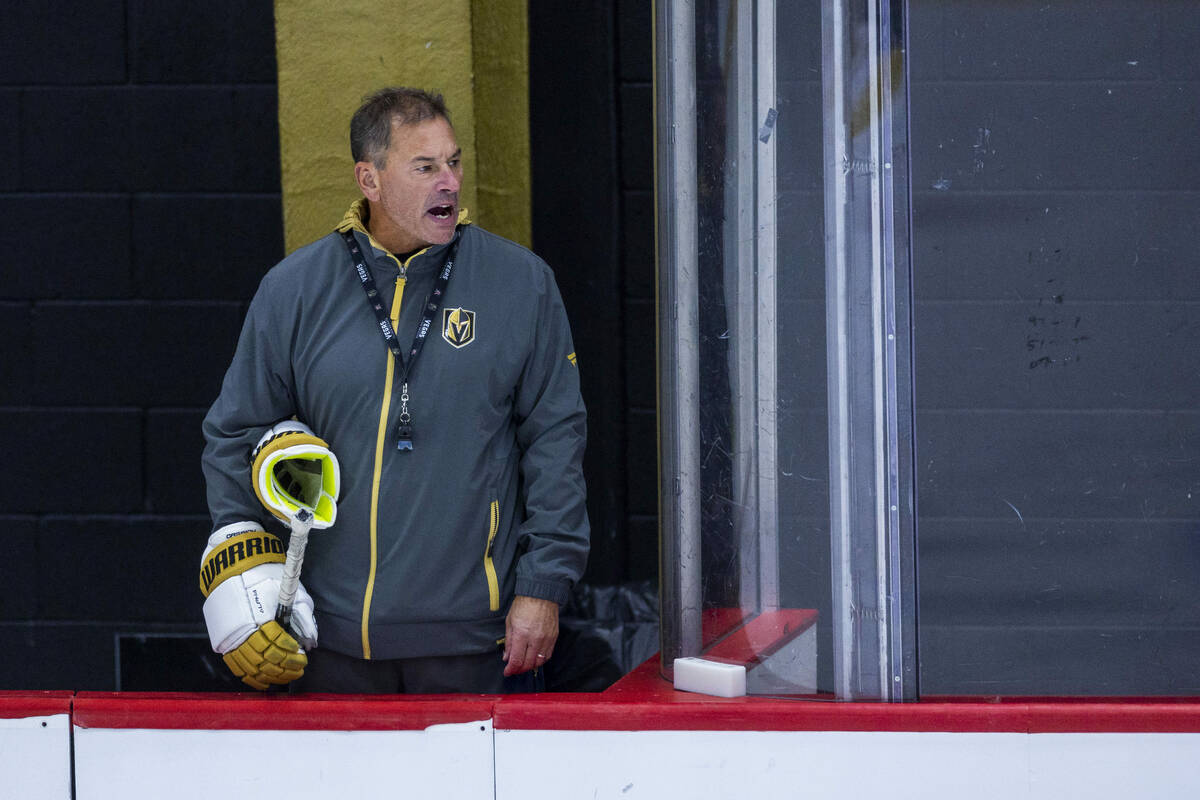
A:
[139,206]
[593,221]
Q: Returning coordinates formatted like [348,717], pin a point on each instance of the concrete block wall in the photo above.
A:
[591,137]
[636,125]
[1055,228]
[139,206]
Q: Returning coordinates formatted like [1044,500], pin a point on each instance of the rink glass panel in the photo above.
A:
[1046,441]
[743,386]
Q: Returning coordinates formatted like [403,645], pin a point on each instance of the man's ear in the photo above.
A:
[367,178]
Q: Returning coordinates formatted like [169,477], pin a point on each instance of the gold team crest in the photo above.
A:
[458,326]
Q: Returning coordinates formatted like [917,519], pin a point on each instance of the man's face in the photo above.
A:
[414,197]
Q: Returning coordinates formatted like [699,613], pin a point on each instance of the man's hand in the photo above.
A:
[530,630]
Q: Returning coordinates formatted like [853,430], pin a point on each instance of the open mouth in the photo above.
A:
[442,212]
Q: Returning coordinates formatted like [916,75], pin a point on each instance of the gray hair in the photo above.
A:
[371,125]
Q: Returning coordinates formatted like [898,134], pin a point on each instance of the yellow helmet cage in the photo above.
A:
[293,468]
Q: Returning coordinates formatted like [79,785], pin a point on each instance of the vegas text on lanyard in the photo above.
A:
[404,431]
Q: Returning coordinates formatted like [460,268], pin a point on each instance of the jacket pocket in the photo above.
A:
[489,565]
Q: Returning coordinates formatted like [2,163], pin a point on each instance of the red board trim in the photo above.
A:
[642,701]
[22,705]
[747,714]
[162,711]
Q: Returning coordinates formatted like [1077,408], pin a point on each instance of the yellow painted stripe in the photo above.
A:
[380,440]
[488,565]
[322,81]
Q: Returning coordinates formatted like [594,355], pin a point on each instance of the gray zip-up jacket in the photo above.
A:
[430,545]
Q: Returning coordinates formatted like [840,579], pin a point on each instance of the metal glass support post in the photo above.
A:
[750,281]
[678,328]
[767,394]
[740,300]
[865,99]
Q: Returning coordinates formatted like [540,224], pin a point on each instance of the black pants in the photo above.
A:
[336,673]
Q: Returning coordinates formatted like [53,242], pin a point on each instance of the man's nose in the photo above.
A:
[449,180]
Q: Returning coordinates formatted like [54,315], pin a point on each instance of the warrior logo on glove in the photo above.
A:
[239,577]
[238,554]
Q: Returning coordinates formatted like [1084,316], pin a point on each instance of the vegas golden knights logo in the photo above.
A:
[458,326]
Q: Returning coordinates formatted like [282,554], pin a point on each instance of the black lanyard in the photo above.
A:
[404,431]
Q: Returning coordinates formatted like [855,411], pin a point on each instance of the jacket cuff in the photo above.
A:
[557,591]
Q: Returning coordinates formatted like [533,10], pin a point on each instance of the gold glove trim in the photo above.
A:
[269,656]
[238,554]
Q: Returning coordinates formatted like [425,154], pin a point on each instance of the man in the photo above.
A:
[461,524]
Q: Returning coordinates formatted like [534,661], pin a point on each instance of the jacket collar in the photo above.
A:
[354,220]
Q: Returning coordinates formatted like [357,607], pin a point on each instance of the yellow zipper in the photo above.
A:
[488,565]
[380,440]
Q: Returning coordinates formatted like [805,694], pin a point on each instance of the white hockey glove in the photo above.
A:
[239,577]
[293,468]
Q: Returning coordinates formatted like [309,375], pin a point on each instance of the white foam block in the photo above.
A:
[710,677]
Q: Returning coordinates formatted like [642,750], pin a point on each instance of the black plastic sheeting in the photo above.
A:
[604,633]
